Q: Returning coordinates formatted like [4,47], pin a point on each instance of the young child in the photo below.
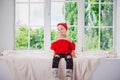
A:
[63,48]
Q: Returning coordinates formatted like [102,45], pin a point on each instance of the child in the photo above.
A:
[63,48]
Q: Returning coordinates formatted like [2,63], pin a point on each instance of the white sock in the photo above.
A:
[68,78]
[55,72]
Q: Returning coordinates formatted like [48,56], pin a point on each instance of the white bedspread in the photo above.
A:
[37,66]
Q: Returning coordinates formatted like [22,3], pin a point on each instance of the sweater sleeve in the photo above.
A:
[53,45]
[72,46]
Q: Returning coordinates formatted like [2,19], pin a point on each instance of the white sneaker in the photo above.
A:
[68,72]
[56,78]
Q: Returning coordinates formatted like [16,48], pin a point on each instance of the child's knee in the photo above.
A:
[69,57]
[57,56]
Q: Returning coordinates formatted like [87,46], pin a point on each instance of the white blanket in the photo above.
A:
[38,66]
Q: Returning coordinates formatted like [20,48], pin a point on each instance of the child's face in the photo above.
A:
[61,30]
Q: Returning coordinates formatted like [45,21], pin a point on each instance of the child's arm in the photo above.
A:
[73,51]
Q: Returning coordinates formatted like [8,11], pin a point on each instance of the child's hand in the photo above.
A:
[74,55]
[68,57]
[57,56]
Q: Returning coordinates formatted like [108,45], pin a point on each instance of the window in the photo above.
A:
[29,24]
[91,23]
[99,26]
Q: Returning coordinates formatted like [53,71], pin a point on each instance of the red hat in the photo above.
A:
[63,24]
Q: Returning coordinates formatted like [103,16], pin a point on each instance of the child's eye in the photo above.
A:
[61,28]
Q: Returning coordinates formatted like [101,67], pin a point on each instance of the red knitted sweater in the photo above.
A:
[63,46]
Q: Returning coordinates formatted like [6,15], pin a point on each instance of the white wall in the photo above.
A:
[106,69]
[6,24]
[4,71]
[118,28]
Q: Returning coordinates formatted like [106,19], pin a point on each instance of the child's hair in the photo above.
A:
[63,24]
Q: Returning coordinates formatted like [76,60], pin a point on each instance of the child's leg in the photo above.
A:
[56,61]
[55,65]
[69,65]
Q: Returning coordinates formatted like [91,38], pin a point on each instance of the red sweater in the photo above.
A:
[63,46]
